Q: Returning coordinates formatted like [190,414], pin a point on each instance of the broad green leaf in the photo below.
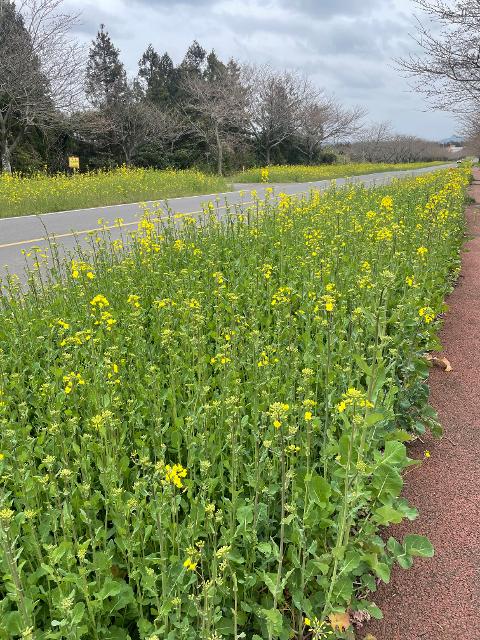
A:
[383,571]
[13,623]
[373,418]
[77,613]
[409,512]
[351,562]
[265,548]
[319,489]
[387,483]
[418,546]
[270,580]
[387,515]
[343,590]
[274,621]
[110,588]
[373,610]
[225,627]
[245,514]
[395,454]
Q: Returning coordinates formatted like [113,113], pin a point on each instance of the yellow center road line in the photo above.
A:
[174,216]
[71,234]
[54,236]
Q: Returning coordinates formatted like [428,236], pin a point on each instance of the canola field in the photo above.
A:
[202,430]
[42,193]
[312,173]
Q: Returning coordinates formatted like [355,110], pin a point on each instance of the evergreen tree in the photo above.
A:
[194,60]
[155,75]
[215,69]
[167,71]
[106,80]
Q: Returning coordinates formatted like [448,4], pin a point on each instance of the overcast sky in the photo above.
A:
[345,46]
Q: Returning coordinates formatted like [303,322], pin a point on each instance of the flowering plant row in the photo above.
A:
[203,425]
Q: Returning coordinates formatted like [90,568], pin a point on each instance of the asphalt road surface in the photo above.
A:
[71,228]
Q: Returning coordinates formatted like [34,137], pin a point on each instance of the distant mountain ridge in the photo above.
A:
[456,140]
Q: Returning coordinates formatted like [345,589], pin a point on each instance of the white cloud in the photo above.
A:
[346,46]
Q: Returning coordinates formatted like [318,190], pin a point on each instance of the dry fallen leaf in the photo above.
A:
[339,621]
[443,363]
[359,618]
[369,637]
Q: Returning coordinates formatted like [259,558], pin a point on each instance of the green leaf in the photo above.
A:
[413,546]
[395,454]
[235,556]
[319,489]
[362,365]
[343,590]
[387,483]
[245,514]
[373,418]
[270,580]
[13,623]
[400,435]
[274,621]
[387,515]
[352,562]
[383,571]
[374,611]
[110,588]
[225,627]
[77,613]
[394,546]
[418,546]
[265,548]
[409,512]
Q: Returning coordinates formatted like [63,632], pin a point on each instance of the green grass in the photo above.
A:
[202,430]
[42,193]
[302,173]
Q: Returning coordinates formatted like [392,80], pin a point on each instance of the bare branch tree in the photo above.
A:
[276,105]
[40,69]
[447,71]
[135,123]
[219,109]
[129,124]
[325,120]
[379,143]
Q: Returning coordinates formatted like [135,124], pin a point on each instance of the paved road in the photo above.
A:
[69,228]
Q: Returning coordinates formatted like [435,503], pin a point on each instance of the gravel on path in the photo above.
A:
[439,598]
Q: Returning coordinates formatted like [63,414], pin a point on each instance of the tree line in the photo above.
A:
[57,99]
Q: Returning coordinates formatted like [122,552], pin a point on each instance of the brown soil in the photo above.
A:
[439,599]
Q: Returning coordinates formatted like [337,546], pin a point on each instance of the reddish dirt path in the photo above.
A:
[439,599]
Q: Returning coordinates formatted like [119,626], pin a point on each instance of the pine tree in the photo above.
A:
[156,76]
[194,60]
[106,80]
[215,67]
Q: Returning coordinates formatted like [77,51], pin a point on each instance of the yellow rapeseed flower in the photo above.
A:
[174,475]
[99,301]
[189,565]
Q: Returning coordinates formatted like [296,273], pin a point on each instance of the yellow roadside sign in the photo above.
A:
[74,162]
